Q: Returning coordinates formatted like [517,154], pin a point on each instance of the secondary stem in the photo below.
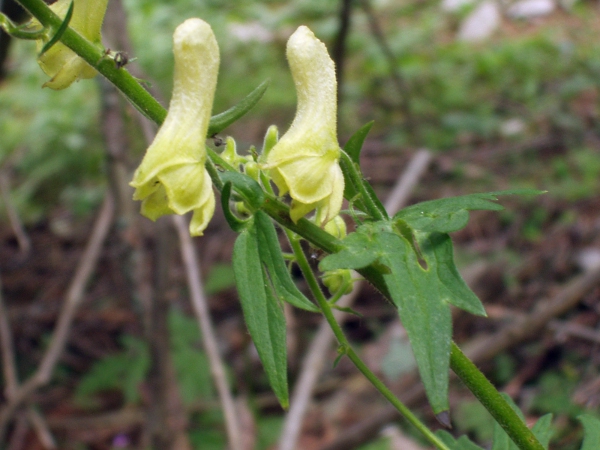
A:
[489,397]
[314,287]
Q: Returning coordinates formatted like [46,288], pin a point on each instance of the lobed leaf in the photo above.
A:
[419,271]
[446,215]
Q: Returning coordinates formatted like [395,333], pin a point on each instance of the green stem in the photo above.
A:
[96,58]
[152,109]
[489,397]
[327,311]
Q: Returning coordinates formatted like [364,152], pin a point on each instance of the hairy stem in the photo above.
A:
[489,397]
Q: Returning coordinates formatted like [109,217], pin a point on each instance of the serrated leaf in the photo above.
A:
[422,280]
[263,312]
[446,215]
[221,121]
[271,257]
[462,443]
[591,425]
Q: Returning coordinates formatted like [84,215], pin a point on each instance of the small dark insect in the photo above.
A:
[121,59]
[218,141]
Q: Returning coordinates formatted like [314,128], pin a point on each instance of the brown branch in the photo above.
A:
[73,298]
[13,216]
[322,342]
[200,305]
[339,47]
[397,79]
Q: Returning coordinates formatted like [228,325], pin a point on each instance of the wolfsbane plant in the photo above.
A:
[278,211]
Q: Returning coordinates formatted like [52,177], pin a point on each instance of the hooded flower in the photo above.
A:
[305,160]
[172,178]
[60,62]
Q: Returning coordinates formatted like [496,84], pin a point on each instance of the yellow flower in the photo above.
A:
[172,178]
[305,160]
[60,62]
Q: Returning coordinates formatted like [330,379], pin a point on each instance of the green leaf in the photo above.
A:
[272,258]
[234,222]
[262,310]
[591,438]
[356,188]
[122,371]
[246,187]
[61,30]
[356,254]
[446,215]
[356,141]
[423,281]
[462,443]
[221,121]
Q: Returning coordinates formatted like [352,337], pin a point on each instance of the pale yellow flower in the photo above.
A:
[172,178]
[60,62]
[305,160]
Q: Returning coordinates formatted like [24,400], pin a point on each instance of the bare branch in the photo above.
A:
[73,298]
[200,305]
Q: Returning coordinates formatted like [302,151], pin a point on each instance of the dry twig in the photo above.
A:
[200,305]
[73,298]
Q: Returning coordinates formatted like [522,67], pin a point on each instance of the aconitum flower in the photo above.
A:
[305,160]
[60,62]
[172,178]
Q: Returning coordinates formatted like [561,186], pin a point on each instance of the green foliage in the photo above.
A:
[446,215]
[123,371]
[219,278]
[191,363]
[423,282]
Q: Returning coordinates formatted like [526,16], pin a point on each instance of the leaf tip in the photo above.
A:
[444,418]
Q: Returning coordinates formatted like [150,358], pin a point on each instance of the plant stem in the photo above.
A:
[96,57]
[489,397]
[345,347]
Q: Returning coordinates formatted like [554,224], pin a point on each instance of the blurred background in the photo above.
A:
[499,94]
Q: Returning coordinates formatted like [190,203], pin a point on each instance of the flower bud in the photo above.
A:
[305,160]
[336,227]
[334,280]
[60,62]
[172,178]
